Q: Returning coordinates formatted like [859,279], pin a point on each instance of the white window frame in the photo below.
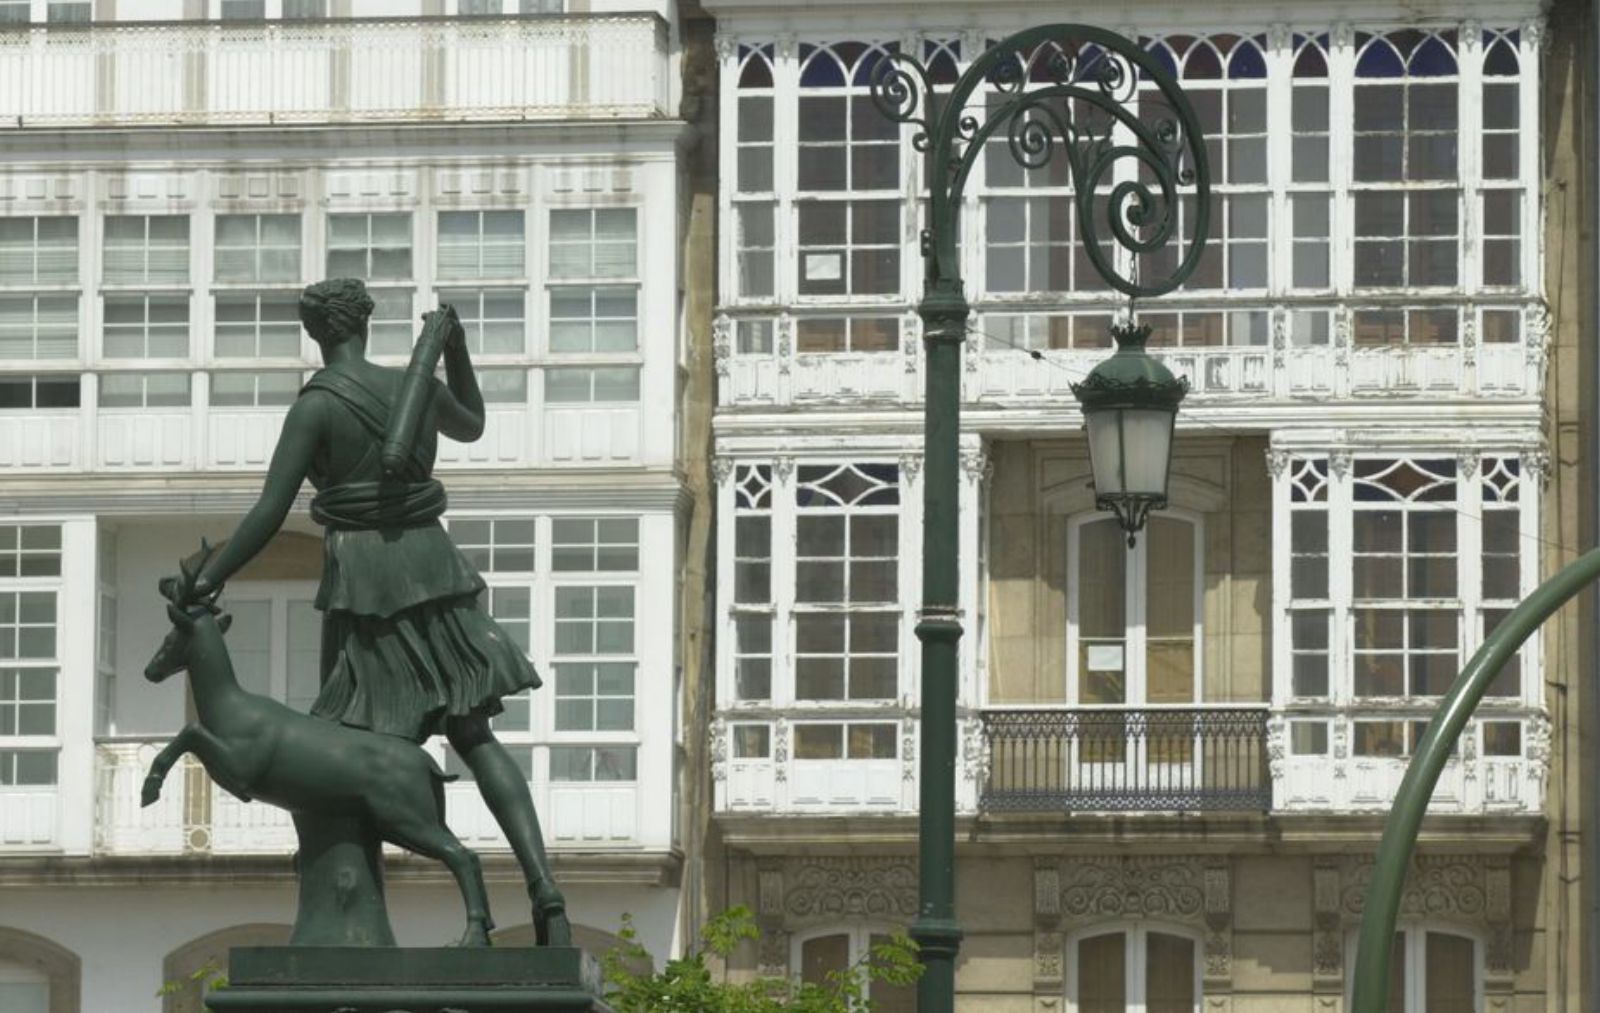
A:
[33,251]
[147,249]
[257,277]
[278,596]
[1312,320]
[55,586]
[1415,934]
[255,326]
[1135,949]
[859,935]
[1340,709]
[1135,606]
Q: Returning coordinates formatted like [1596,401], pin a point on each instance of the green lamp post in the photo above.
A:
[1137,162]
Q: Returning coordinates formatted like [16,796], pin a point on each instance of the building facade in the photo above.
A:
[1175,759]
[173,172]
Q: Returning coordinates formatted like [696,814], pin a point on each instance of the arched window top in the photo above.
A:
[1210,58]
[1311,60]
[942,60]
[1246,62]
[1406,53]
[841,63]
[1135,966]
[1202,62]
[1500,55]
[45,974]
[757,67]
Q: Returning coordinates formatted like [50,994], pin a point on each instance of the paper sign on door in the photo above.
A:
[1105,657]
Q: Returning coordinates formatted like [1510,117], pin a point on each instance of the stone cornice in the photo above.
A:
[145,495]
[77,148]
[601,868]
[950,15]
[1417,417]
[1153,834]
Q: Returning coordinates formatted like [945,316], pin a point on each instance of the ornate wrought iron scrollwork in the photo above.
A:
[1074,92]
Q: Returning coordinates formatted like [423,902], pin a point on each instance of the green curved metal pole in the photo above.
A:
[1411,801]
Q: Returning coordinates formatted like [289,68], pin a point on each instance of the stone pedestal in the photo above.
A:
[348,979]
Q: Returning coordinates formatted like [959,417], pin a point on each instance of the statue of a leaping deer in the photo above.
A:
[257,748]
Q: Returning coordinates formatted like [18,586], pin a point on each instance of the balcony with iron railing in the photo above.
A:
[1178,759]
[349,70]
[1046,760]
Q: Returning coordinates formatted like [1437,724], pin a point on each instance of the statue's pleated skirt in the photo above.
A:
[405,674]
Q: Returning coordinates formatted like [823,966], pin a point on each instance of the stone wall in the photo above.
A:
[1275,933]
[1039,484]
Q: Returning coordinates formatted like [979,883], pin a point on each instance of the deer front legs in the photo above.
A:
[192,738]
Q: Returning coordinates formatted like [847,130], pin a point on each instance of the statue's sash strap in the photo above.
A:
[369,409]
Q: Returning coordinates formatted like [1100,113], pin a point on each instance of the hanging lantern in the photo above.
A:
[1129,403]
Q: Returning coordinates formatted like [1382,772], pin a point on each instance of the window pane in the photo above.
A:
[823,956]
[1169,974]
[1449,973]
[1102,974]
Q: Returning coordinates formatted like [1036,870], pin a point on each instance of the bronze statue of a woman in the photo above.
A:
[407,649]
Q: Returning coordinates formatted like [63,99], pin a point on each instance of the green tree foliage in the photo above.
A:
[687,985]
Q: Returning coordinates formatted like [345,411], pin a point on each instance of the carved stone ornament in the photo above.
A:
[910,339]
[1277,740]
[1340,462]
[1533,33]
[780,751]
[726,45]
[910,467]
[722,468]
[782,469]
[1048,950]
[722,343]
[828,889]
[769,892]
[1327,925]
[1537,338]
[974,752]
[1182,890]
[772,956]
[1277,461]
[1469,341]
[785,342]
[1341,337]
[1469,890]
[1046,890]
[976,464]
[908,749]
[1467,460]
[719,750]
[1537,462]
[1164,888]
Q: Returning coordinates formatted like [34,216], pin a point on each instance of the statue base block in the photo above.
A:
[350,979]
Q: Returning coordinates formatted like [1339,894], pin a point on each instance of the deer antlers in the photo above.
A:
[180,590]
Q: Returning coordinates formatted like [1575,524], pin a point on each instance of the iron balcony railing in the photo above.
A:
[1126,760]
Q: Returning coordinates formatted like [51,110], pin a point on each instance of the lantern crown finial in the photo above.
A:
[1131,377]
